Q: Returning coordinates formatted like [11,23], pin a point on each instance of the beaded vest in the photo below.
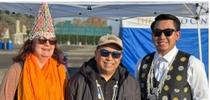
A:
[175,86]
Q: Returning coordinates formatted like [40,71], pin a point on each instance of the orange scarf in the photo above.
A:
[47,83]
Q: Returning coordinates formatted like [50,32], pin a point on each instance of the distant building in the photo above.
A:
[80,34]
[19,37]
[4,34]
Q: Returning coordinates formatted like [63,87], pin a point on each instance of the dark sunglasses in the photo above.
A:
[106,53]
[44,40]
[167,32]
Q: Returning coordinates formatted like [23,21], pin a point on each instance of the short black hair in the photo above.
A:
[160,17]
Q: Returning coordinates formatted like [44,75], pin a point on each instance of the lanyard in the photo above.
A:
[100,92]
[150,77]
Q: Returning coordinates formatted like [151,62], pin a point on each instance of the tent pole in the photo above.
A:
[120,27]
[199,39]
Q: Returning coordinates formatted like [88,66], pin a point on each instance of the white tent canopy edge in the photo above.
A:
[117,11]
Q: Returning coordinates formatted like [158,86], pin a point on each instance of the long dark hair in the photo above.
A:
[28,47]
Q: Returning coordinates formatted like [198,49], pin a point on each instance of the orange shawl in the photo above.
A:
[47,83]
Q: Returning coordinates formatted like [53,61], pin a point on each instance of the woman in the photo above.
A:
[38,72]
[38,68]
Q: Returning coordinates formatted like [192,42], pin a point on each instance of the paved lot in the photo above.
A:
[5,61]
[2,72]
[76,56]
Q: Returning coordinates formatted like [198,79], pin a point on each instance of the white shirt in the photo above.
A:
[196,75]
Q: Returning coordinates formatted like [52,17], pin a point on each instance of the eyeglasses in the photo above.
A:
[44,40]
[106,53]
[167,32]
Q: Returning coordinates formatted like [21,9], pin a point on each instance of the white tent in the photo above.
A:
[112,10]
[117,11]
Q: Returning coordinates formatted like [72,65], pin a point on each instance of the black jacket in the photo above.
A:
[82,85]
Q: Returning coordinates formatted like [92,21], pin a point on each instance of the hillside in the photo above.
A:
[8,20]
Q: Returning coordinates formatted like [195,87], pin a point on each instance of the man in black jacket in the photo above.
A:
[103,77]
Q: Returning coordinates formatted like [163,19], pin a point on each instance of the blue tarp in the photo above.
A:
[138,42]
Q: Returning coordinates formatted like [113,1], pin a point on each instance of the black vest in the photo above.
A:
[176,86]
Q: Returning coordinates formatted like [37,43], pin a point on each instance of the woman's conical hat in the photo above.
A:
[43,24]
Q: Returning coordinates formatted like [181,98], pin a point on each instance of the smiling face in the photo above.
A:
[106,63]
[43,49]
[165,43]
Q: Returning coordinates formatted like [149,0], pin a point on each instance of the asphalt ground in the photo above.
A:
[76,56]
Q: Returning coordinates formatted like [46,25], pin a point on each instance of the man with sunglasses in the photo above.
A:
[103,77]
[169,73]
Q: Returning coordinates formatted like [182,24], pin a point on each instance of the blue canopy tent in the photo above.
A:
[119,11]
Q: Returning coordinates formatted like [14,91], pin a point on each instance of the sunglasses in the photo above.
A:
[167,32]
[44,40]
[106,53]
